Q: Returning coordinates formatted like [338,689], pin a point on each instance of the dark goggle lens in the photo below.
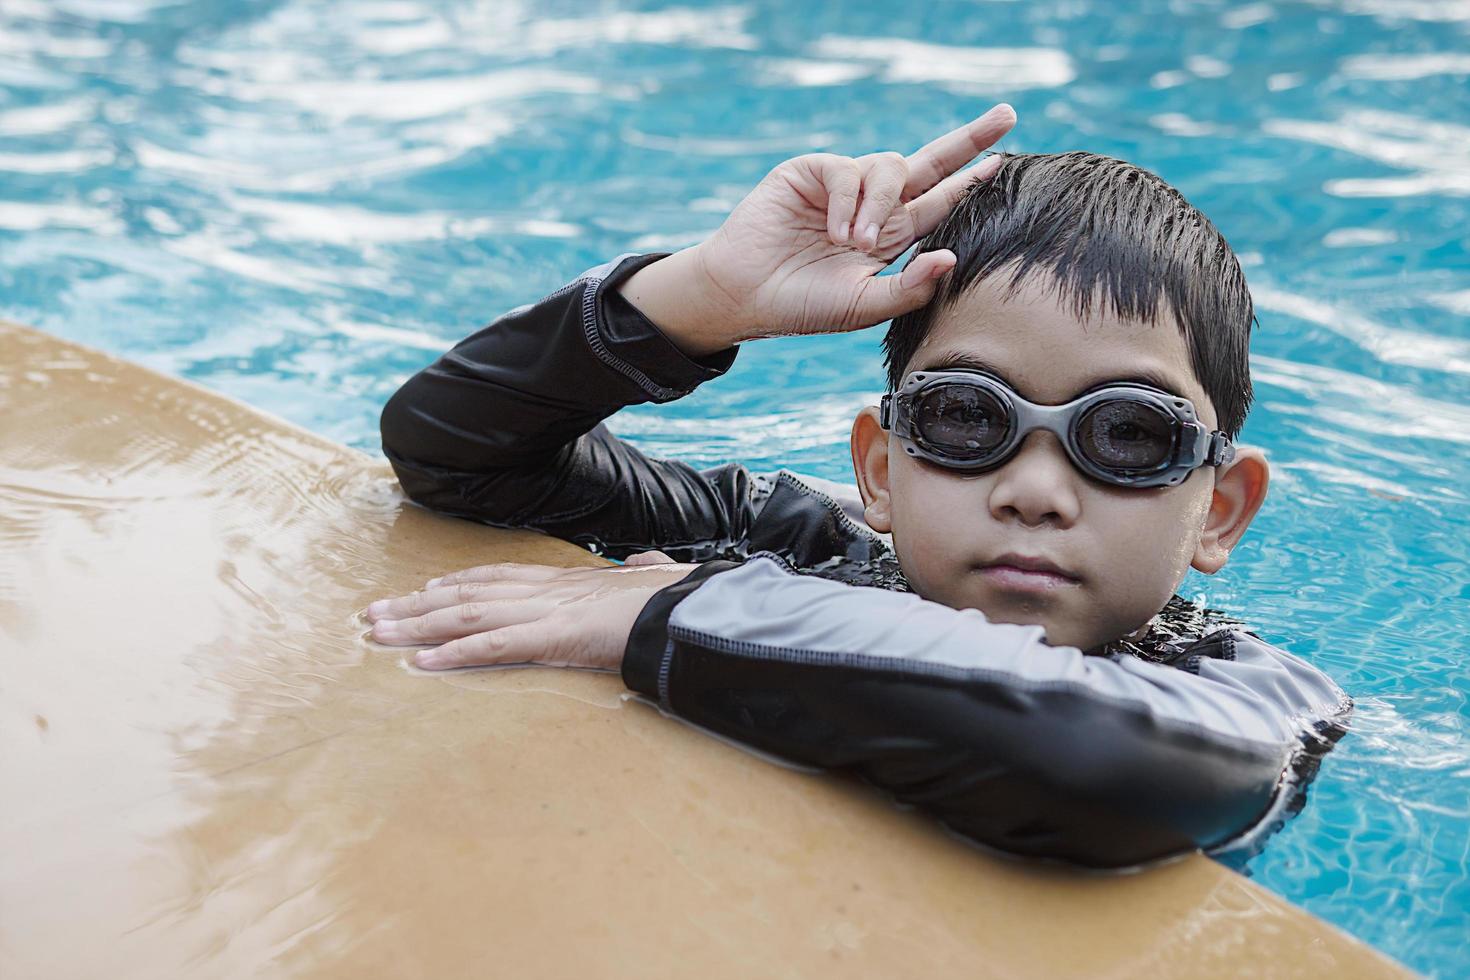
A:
[1127,436]
[963,421]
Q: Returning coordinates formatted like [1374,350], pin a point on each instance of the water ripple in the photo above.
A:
[968,70]
[1439,150]
[1402,66]
[1388,344]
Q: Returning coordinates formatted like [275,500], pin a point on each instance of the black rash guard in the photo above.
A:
[797,634]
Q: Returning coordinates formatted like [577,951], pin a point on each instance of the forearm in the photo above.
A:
[497,427]
[1020,745]
[675,294]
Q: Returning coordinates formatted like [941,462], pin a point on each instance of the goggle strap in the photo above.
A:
[1221,451]
[885,412]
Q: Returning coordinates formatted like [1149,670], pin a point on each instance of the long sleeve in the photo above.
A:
[506,428]
[1022,746]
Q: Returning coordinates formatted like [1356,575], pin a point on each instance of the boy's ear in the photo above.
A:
[870,465]
[1240,489]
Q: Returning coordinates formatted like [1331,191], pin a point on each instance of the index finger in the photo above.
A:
[944,156]
[930,208]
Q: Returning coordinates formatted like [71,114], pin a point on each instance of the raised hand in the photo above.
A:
[801,253]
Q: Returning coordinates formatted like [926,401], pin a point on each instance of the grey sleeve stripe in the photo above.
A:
[600,272]
[763,608]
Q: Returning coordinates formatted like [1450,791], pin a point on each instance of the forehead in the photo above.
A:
[1037,344]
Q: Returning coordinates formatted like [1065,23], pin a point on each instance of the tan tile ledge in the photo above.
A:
[208,771]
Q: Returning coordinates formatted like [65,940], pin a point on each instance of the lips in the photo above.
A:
[1030,564]
[1027,573]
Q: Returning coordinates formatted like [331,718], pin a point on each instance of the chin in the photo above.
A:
[1024,610]
[1058,634]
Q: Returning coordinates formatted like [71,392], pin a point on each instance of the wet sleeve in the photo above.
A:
[1021,746]
[507,428]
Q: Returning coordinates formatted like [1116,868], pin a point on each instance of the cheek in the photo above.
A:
[927,509]
[1146,547]
[1158,536]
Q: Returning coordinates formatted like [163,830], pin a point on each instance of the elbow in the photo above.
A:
[443,467]
[1101,834]
[425,486]
[397,424]
[1119,806]
[405,439]
[1061,826]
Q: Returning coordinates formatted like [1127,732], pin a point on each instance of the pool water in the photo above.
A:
[301,204]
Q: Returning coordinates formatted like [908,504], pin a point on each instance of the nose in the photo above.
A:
[1037,487]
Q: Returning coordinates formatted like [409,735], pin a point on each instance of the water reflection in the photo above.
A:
[1441,149]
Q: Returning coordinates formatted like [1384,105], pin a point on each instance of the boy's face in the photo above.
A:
[1121,551]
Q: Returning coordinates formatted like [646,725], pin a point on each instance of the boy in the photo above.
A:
[1067,370]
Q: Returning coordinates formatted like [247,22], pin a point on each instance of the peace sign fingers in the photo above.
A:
[934,205]
[942,157]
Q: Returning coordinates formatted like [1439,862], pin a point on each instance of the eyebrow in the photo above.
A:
[949,360]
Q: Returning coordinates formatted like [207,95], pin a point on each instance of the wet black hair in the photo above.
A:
[1105,232]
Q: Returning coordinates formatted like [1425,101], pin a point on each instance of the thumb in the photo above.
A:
[885,297]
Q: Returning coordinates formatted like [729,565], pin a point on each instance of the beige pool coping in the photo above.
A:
[208,771]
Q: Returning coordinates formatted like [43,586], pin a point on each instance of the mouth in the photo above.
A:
[1026,573]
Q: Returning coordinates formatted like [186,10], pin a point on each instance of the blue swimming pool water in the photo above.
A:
[301,203]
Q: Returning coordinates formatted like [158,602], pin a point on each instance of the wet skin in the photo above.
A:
[1037,541]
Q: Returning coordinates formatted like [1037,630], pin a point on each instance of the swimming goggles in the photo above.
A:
[1124,434]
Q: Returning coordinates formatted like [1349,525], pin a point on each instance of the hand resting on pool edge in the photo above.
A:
[516,613]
